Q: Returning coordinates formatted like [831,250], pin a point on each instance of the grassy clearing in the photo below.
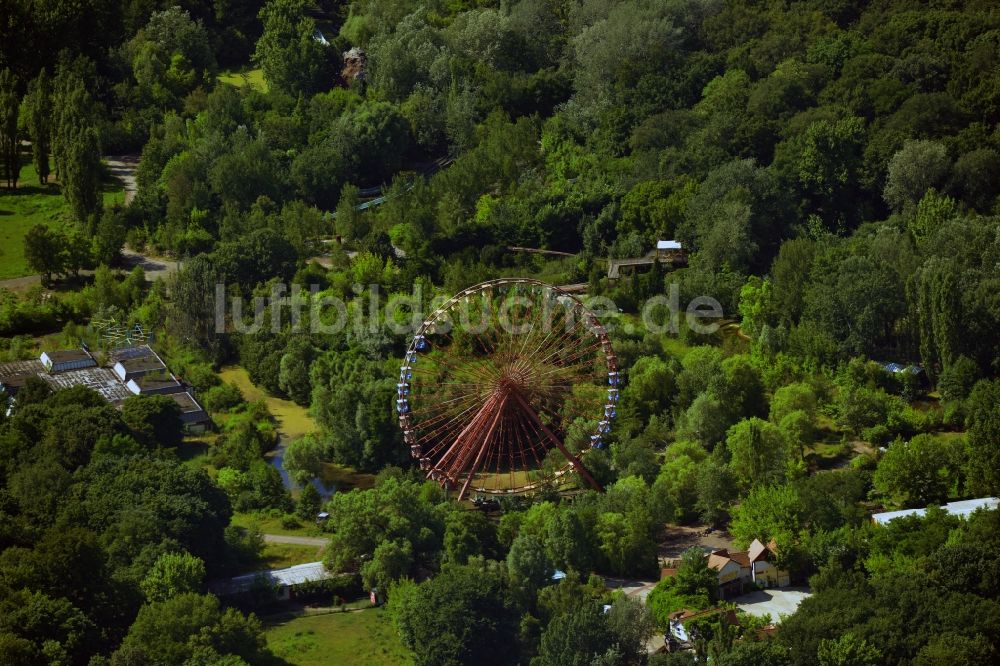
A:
[194,451]
[32,204]
[364,637]
[293,420]
[272,525]
[283,555]
[253,78]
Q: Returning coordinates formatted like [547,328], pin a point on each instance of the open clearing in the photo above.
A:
[362,637]
[254,78]
[32,204]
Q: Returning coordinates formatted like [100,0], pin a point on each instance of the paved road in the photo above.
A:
[296,540]
[123,168]
[639,589]
[21,283]
[155,267]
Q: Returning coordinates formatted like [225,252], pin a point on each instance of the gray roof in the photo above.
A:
[300,573]
[130,352]
[150,382]
[961,508]
[15,368]
[142,364]
[101,380]
[67,355]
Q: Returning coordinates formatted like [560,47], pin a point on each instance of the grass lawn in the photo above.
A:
[269,525]
[253,77]
[284,555]
[32,204]
[364,637]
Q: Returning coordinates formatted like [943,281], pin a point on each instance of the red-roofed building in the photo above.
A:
[733,570]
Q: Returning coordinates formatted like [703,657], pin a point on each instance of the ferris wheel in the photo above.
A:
[505,387]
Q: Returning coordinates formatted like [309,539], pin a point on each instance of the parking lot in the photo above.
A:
[773,602]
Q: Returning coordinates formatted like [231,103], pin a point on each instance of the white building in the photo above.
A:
[762,568]
[963,508]
[281,580]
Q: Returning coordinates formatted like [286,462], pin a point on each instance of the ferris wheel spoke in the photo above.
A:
[488,438]
[458,453]
[553,356]
[555,440]
[548,339]
[453,366]
[443,425]
[530,436]
[436,429]
[439,405]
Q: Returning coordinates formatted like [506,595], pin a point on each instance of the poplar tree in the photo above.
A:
[82,174]
[38,103]
[9,142]
[76,147]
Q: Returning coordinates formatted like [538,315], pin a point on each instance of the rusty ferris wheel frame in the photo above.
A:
[489,406]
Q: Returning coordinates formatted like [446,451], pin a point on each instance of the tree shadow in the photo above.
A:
[27,189]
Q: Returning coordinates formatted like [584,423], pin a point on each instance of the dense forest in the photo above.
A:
[830,167]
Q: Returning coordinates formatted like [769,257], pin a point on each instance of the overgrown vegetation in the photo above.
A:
[829,167]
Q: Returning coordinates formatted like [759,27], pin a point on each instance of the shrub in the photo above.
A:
[222,398]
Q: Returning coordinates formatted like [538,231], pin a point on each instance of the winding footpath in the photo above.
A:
[122,167]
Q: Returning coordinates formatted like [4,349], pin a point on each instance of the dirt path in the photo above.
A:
[319,542]
[123,168]
[678,538]
[21,283]
[155,268]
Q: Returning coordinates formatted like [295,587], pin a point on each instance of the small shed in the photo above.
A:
[193,415]
[671,251]
[69,359]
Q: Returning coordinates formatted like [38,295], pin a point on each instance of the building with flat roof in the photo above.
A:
[282,580]
[14,374]
[962,508]
[133,371]
[195,418]
[154,385]
[101,380]
[69,359]
[137,362]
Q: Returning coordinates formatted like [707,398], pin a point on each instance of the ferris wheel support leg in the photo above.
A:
[573,460]
[482,449]
[460,442]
